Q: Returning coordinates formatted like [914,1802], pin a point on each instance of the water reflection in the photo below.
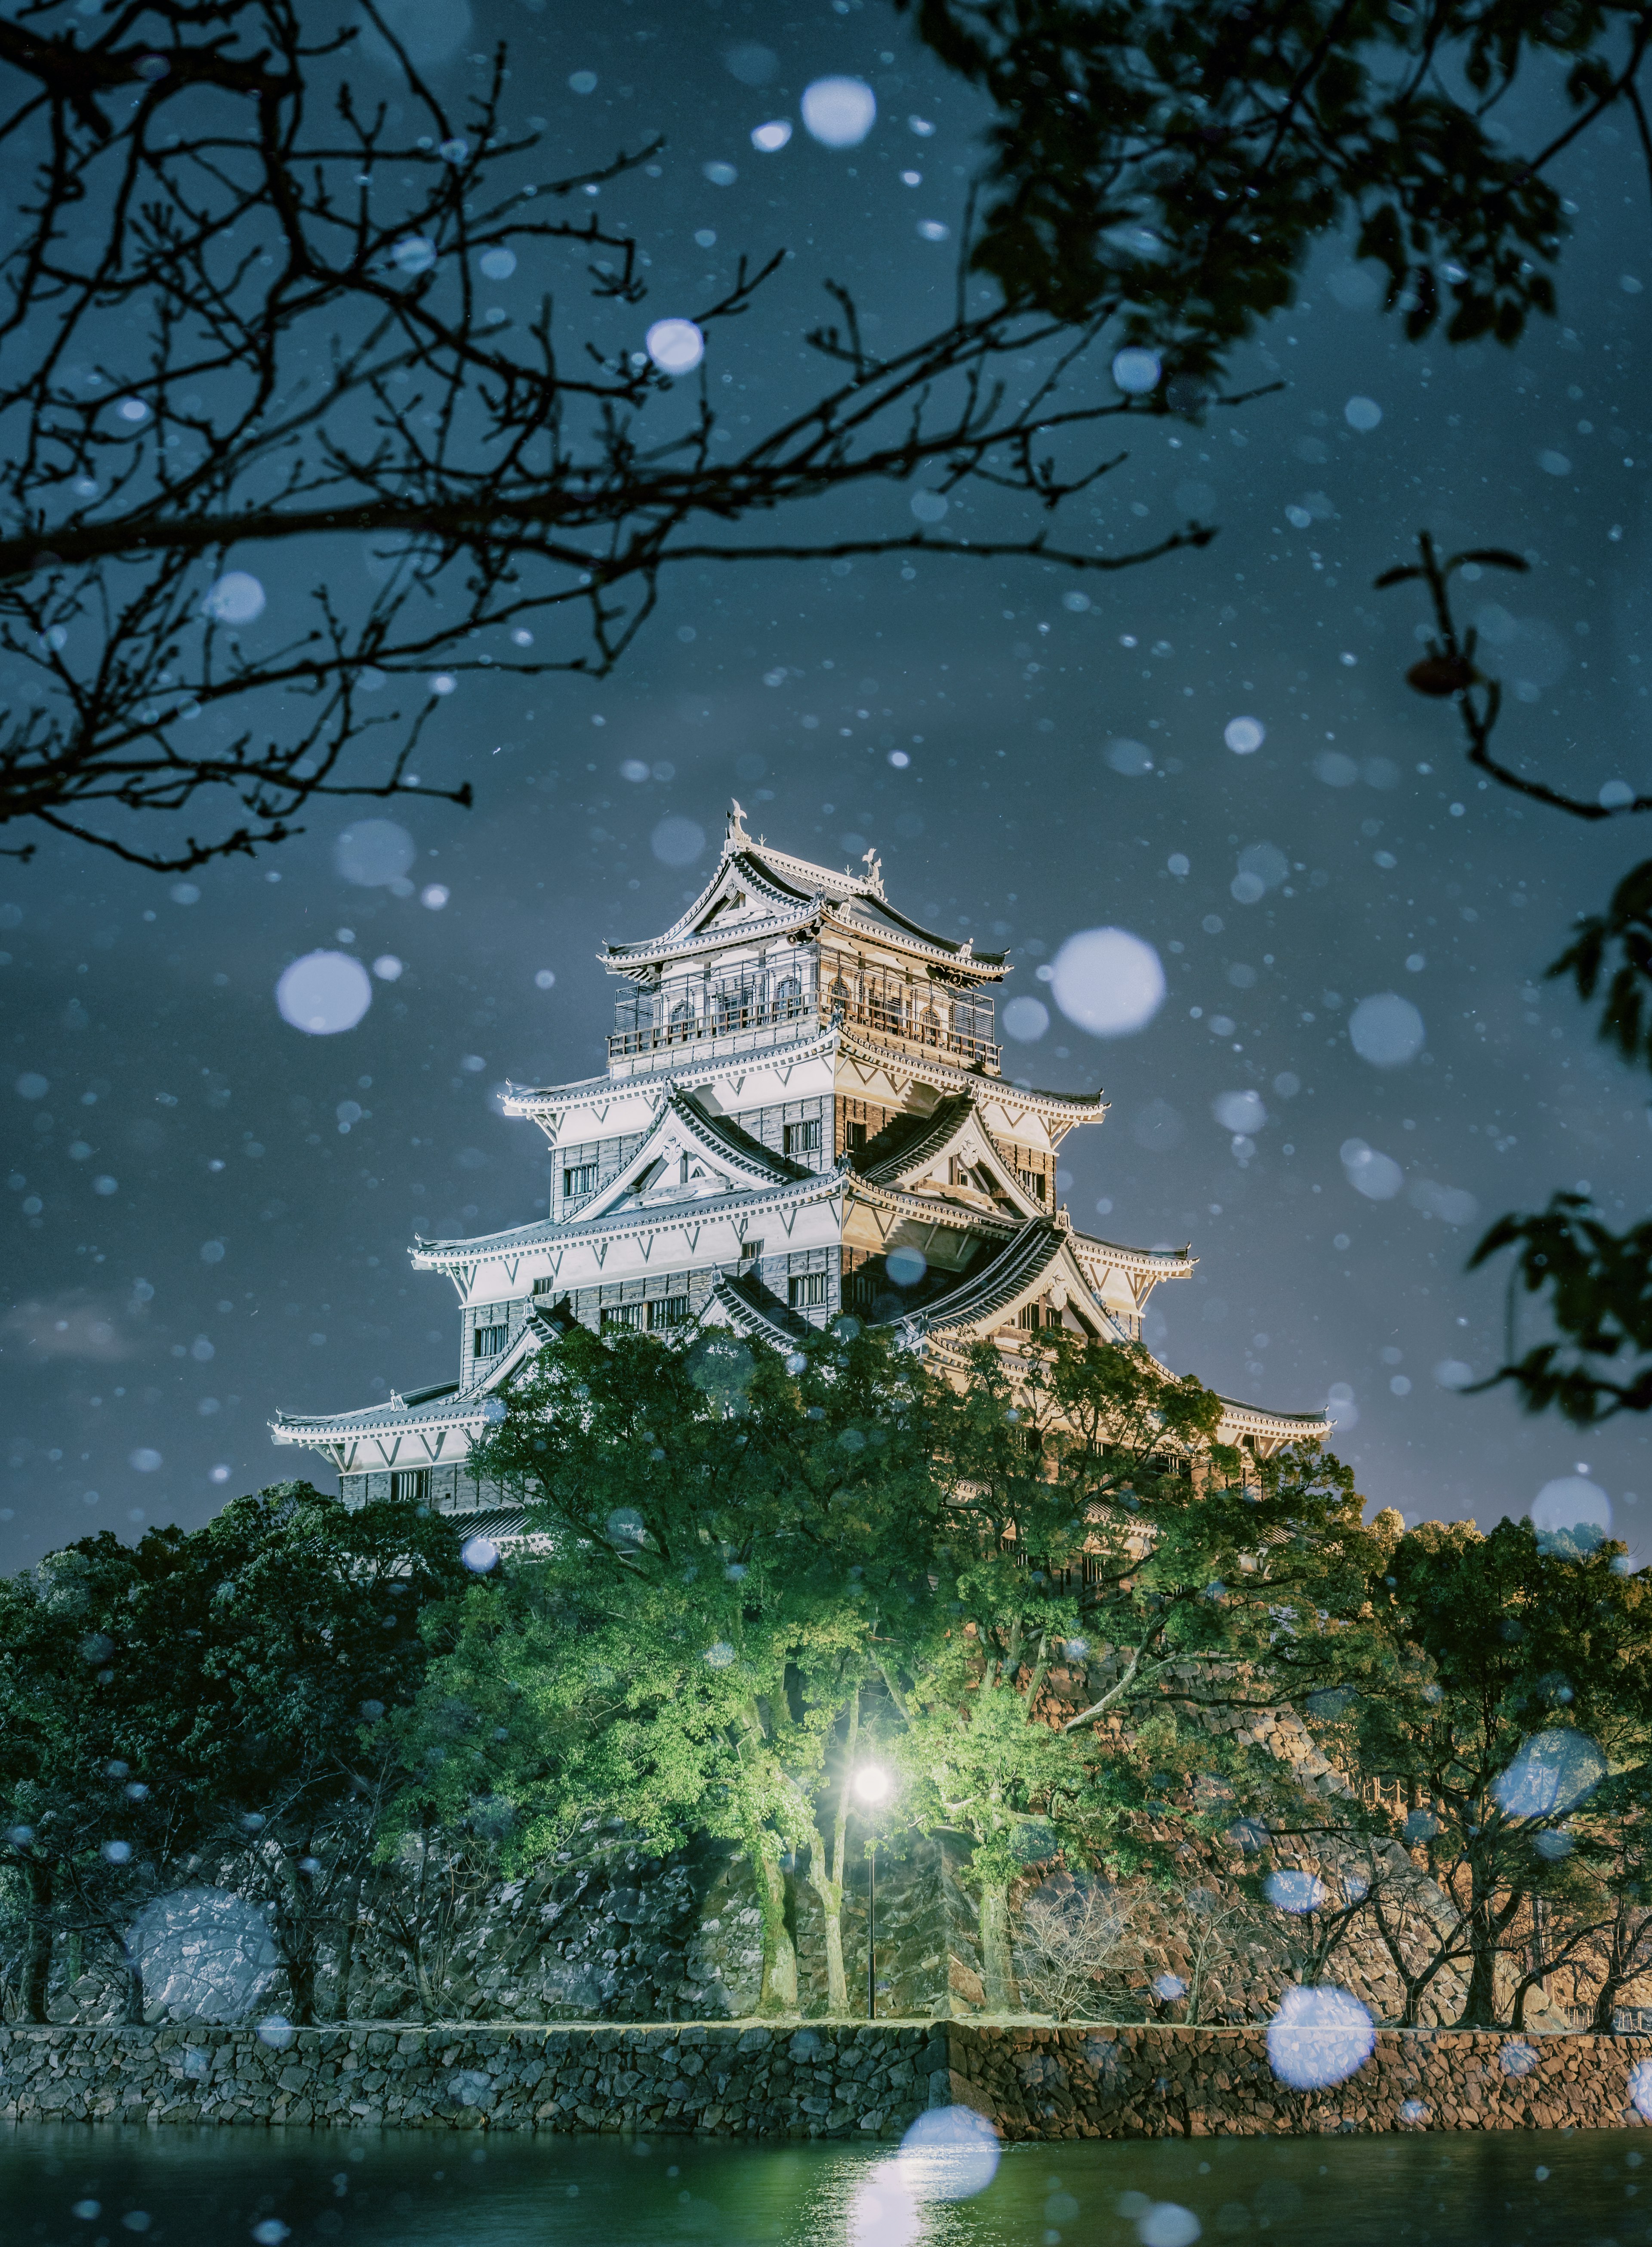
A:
[75,2188]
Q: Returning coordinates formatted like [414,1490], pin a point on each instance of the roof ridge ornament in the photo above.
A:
[874,866]
[736,839]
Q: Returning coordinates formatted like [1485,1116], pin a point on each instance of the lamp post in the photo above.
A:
[872,1785]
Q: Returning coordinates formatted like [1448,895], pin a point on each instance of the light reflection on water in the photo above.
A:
[417,2188]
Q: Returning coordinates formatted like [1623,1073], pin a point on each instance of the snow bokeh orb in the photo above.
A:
[1379,1177]
[1296,1892]
[675,347]
[1245,735]
[237,598]
[1025,1019]
[1240,1111]
[1133,758]
[1386,1030]
[1136,370]
[952,2152]
[1572,1510]
[1319,2036]
[1107,981]
[324,993]
[1551,1773]
[677,841]
[373,852]
[206,1955]
[1167,2223]
[839,111]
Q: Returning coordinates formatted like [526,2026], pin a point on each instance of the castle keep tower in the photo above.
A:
[802,1113]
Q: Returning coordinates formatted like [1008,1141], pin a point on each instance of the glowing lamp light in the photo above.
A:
[872,1783]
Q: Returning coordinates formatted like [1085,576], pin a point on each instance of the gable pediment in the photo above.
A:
[688,1155]
[955,1156]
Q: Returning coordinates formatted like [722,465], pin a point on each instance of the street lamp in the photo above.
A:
[873,1785]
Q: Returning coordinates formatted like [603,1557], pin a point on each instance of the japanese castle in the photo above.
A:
[803,1114]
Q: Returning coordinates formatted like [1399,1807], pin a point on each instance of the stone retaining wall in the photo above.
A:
[730,2079]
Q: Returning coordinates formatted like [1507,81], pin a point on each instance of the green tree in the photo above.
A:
[730,1526]
[1508,1681]
[209,1702]
[1116,1590]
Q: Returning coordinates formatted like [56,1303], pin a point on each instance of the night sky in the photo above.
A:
[207,1211]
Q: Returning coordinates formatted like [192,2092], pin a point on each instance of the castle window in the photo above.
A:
[682,1016]
[623,1315]
[579,1178]
[1035,1182]
[490,1341]
[750,1250]
[411,1482]
[803,1138]
[805,1291]
[853,1137]
[789,995]
[668,1311]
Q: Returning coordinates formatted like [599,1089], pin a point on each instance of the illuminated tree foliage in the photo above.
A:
[761,1567]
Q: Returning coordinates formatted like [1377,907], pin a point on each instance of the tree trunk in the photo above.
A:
[346,1955]
[301,1985]
[998,1965]
[777,1995]
[37,1967]
[132,2012]
[1480,2006]
[830,1893]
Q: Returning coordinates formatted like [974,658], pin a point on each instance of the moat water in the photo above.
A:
[113,2186]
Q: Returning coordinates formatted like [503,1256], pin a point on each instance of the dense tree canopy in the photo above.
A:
[206,1698]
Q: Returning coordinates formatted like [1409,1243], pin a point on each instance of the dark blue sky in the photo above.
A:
[1067,770]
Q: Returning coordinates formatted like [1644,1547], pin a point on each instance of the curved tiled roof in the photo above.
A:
[507,1526]
[754,1309]
[433,1256]
[907,1140]
[1165,1263]
[529,1099]
[1081,1107]
[1034,1251]
[799,891]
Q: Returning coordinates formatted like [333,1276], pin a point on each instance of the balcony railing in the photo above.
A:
[720,1022]
[884,1020]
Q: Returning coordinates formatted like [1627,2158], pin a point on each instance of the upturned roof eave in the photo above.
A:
[1079,1107]
[436,1255]
[623,958]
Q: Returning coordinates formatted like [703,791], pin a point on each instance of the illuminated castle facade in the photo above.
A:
[803,1114]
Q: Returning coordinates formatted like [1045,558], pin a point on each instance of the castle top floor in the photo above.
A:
[774,944]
